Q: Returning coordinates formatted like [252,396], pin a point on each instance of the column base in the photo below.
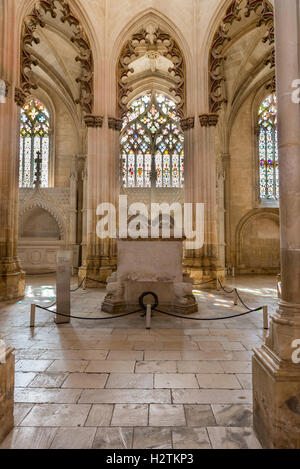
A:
[276,401]
[12,286]
[7,376]
[99,274]
[202,271]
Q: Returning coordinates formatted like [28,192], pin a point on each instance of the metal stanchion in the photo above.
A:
[32,316]
[148,316]
[266,317]
[236,300]
[84,284]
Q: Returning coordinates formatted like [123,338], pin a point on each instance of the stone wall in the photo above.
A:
[7,374]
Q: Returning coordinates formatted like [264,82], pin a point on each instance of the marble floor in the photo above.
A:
[112,384]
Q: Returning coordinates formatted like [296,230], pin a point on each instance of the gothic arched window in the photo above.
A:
[268,149]
[34,141]
[151,138]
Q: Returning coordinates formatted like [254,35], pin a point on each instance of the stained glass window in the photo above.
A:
[151,138]
[268,148]
[34,138]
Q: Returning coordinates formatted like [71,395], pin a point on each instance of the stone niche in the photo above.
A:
[150,265]
[7,374]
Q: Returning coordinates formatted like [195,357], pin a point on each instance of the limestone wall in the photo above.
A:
[7,374]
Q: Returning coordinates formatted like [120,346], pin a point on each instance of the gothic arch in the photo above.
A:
[38,18]
[178,49]
[32,204]
[236,10]
[245,224]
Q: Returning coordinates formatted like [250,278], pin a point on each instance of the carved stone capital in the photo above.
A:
[93,121]
[115,124]
[208,120]
[187,123]
[271,86]
[20,97]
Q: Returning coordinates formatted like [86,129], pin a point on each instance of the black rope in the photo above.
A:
[79,286]
[209,319]
[204,283]
[88,319]
[245,306]
[226,291]
[97,281]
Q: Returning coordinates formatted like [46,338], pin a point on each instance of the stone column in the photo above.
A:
[102,184]
[276,375]
[203,265]
[12,279]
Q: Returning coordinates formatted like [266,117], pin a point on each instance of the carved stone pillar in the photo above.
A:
[12,279]
[102,182]
[200,187]
[276,373]
[222,171]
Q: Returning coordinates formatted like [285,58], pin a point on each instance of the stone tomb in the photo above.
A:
[150,265]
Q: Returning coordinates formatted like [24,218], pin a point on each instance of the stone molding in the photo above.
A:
[115,124]
[187,124]
[93,121]
[208,120]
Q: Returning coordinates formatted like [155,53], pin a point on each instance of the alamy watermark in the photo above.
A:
[296,353]
[162,220]
[2,352]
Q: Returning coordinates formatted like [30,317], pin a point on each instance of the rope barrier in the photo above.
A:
[88,319]
[209,319]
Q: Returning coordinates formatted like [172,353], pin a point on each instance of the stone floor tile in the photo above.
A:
[190,438]
[74,438]
[199,415]
[156,367]
[211,396]
[113,438]
[218,381]
[125,396]
[20,412]
[152,438]
[48,380]
[23,379]
[110,366]
[175,381]
[130,415]
[125,355]
[207,356]
[74,355]
[71,366]
[33,365]
[46,396]
[245,380]
[234,415]
[237,367]
[199,367]
[85,381]
[100,415]
[57,415]
[130,381]
[162,355]
[29,438]
[233,438]
[164,415]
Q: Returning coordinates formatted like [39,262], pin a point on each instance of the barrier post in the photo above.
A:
[266,317]
[32,316]
[63,277]
[84,284]
[218,284]
[235,297]
[148,316]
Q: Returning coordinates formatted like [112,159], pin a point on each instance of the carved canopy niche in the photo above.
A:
[42,12]
[151,54]
[237,11]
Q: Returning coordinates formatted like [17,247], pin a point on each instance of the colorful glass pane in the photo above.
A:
[34,137]
[151,128]
[268,149]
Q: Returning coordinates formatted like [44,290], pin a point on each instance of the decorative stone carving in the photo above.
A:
[93,121]
[208,120]
[38,17]
[264,12]
[187,123]
[115,124]
[151,42]
[20,97]
[7,374]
